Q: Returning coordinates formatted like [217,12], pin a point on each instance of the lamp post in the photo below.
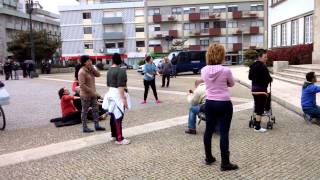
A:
[242,26]
[29,6]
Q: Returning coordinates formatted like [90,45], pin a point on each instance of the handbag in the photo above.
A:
[4,96]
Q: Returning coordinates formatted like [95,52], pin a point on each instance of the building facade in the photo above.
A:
[290,23]
[236,24]
[13,18]
[101,28]
[136,27]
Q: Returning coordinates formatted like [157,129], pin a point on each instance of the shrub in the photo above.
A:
[250,55]
[141,62]
[295,55]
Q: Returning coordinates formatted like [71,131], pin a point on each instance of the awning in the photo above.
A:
[123,56]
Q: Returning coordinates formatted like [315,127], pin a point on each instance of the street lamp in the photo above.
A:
[29,7]
[242,29]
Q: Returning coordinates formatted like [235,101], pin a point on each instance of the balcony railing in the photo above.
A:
[113,50]
[194,16]
[113,35]
[157,18]
[112,20]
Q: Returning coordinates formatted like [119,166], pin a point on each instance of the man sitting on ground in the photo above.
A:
[308,97]
[196,99]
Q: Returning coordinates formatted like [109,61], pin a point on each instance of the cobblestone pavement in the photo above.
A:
[289,151]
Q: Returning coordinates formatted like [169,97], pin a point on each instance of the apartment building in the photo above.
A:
[236,24]
[101,28]
[13,18]
[291,23]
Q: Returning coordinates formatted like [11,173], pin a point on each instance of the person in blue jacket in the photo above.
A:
[308,96]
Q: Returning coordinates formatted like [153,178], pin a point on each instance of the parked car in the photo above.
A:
[157,62]
[126,66]
[190,61]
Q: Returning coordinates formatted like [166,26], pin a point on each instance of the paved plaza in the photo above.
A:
[32,148]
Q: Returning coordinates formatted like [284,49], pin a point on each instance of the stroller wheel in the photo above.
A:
[250,124]
[273,119]
[269,125]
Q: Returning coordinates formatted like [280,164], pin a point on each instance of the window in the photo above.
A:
[140,44]
[232,39]
[308,29]
[86,15]
[189,10]
[88,45]
[120,45]
[205,27]
[232,8]
[189,26]
[256,7]
[157,28]
[176,10]
[155,11]
[139,29]
[257,23]
[232,24]
[219,9]
[110,45]
[221,40]
[204,43]
[257,39]
[139,12]
[275,2]
[295,32]
[274,36]
[87,30]
[219,24]
[283,34]
[204,12]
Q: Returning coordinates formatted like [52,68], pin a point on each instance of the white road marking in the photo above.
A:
[235,99]
[77,144]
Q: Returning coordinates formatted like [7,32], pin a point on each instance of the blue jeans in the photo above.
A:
[313,112]
[193,111]
[217,112]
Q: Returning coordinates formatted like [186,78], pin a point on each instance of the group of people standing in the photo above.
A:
[11,69]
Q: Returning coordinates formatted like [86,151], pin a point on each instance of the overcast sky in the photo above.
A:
[52,5]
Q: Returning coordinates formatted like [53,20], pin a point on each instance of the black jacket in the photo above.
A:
[260,77]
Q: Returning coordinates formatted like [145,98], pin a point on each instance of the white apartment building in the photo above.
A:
[290,22]
[101,28]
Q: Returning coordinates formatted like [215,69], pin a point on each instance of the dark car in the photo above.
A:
[126,66]
[190,61]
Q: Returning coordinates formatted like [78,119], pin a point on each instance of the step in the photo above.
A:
[306,68]
[289,80]
[291,76]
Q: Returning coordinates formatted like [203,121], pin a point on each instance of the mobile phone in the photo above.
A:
[190,91]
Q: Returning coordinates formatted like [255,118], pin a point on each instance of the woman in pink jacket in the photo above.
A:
[218,105]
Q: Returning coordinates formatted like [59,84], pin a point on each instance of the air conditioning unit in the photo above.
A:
[139,49]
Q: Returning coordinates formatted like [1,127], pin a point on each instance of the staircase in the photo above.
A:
[296,74]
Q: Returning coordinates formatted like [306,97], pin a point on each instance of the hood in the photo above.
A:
[306,84]
[214,71]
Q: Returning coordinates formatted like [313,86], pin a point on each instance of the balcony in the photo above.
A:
[157,18]
[195,47]
[113,50]
[172,18]
[113,35]
[173,33]
[237,14]
[111,20]
[158,49]
[215,31]
[215,16]
[254,30]
[194,16]
[237,46]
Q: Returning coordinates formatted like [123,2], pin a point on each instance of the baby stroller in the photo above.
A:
[202,114]
[268,114]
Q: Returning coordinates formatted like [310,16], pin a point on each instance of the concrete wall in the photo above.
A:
[316,35]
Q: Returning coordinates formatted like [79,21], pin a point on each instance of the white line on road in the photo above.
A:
[235,99]
[77,144]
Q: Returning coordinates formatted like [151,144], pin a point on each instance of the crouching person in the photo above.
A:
[196,99]
[308,97]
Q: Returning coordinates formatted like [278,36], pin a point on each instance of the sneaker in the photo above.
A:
[87,130]
[261,130]
[143,102]
[123,142]
[191,131]
[158,101]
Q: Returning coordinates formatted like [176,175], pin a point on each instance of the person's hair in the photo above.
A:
[261,52]
[148,58]
[84,59]
[60,92]
[116,59]
[310,76]
[215,54]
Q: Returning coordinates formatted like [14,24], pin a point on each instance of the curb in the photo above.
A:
[277,100]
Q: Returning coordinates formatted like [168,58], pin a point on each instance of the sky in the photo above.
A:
[52,5]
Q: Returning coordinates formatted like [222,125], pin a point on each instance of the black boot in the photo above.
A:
[225,163]
[211,160]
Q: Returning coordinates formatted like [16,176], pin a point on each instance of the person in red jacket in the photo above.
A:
[70,115]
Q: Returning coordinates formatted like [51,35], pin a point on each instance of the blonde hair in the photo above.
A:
[215,54]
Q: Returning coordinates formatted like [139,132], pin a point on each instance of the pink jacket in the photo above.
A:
[217,79]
